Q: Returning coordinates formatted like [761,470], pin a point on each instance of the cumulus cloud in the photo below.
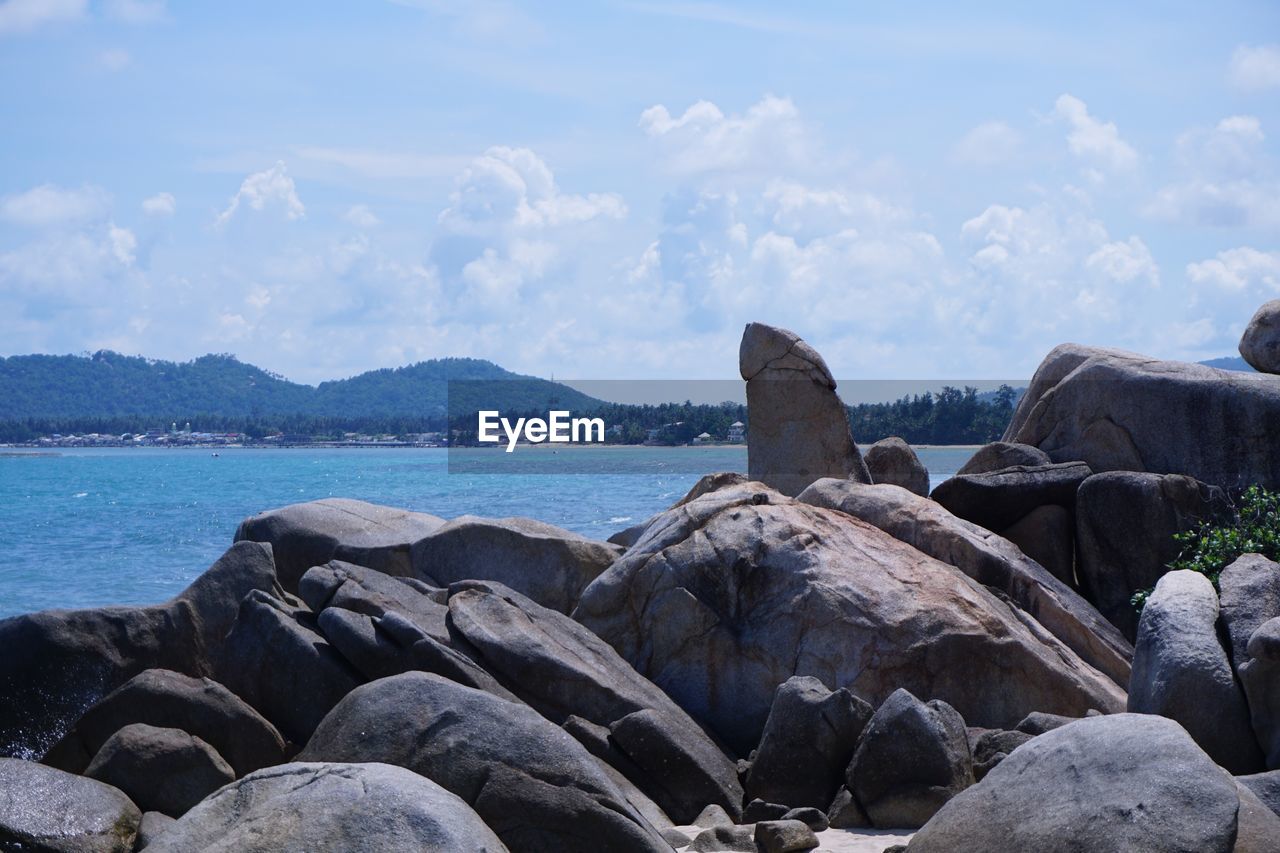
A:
[1226,182]
[160,204]
[1255,68]
[769,137]
[1239,270]
[361,216]
[269,188]
[1095,142]
[992,143]
[23,16]
[50,205]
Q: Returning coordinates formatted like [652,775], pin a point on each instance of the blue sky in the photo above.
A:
[611,190]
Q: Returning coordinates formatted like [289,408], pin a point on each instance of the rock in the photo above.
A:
[913,757]
[799,428]
[758,810]
[311,534]
[57,663]
[815,819]
[1260,675]
[706,484]
[531,782]
[1118,411]
[1265,786]
[152,827]
[1181,671]
[371,593]
[1037,723]
[163,770]
[675,837]
[277,661]
[1250,595]
[547,563]
[735,592]
[808,740]
[845,813]
[1118,782]
[988,559]
[1260,344]
[46,809]
[198,706]
[1257,826]
[1003,454]
[1125,524]
[998,741]
[784,836]
[330,808]
[892,461]
[1047,535]
[711,816]
[997,500]
[562,669]
[724,838]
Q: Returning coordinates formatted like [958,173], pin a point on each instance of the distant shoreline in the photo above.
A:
[13,450]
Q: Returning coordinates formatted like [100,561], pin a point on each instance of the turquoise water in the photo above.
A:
[133,526]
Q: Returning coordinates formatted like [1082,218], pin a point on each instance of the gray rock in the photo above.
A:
[1037,723]
[152,827]
[330,808]
[1118,782]
[913,757]
[740,838]
[531,782]
[57,663]
[1260,344]
[997,500]
[1250,595]
[784,836]
[892,461]
[1181,671]
[44,809]
[1003,454]
[815,819]
[1125,524]
[1257,826]
[1265,786]
[371,593]
[808,740]
[735,592]
[163,770]
[998,741]
[706,484]
[711,816]
[311,534]
[799,428]
[1260,675]
[198,706]
[1047,535]
[547,563]
[758,810]
[845,813]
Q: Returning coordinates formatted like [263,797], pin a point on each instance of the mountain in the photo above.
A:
[1229,363]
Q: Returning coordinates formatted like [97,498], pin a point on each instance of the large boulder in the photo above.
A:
[57,663]
[1250,595]
[988,559]
[199,706]
[1047,535]
[1260,675]
[731,594]
[44,809]
[1125,524]
[891,460]
[532,783]
[311,534]
[1260,344]
[372,593]
[547,563]
[1265,786]
[163,770]
[1106,784]
[799,428]
[998,499]
[1119,411]
[999,455]
[330,808]
[1181,671]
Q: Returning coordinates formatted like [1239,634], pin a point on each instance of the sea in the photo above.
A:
[93,527]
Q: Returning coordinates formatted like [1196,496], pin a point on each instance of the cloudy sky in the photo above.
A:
[612,190]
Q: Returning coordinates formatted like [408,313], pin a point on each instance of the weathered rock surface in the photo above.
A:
[997,500]
[706,484]
[892,461]
[1125,524]
[784,836]
[808,740]
[331,808]
[722,838]
[159,697]
[57,663]
[163,770]
[1037,723]
[799,428]
[1047,535]
[733,593]
[1257,826]
[988,559]
[151,828]
[1260,675]
[531,783]
[913,757]
[1181,671]
[547,563]
[1004,454]
[1118,411]
[1260,344]
[845,813]
[372,593]
[45,809]
[1250,595]
[1119,782]
[1265,786]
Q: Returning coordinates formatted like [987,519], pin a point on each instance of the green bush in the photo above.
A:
[1210,548]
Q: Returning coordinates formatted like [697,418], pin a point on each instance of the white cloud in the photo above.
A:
[1239,270]
[1125,261]
[1230,204]
[769,137]
[361,216]
[1255,68]
[1096,142]
[115,59]
[992,143]
[49,205]
[269,188]
[137,11]
[160,204]
[24,16]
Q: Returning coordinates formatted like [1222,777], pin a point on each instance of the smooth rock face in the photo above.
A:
[1260,344]
[311,534]
[547,563]
[57,663]
[913,757]
[892,461]
[799,429]
[1181,671]
[163,770]
[997,500]
[1125,524]
[531,783]
[1047,535]
[1003,454]
[1119,782]
[199,706]
[1119,411]
[330,808]
[46,809]
[1250,595]
[988,559]
[808,740]
[1260,675]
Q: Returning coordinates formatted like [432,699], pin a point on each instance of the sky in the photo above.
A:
[612,190]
